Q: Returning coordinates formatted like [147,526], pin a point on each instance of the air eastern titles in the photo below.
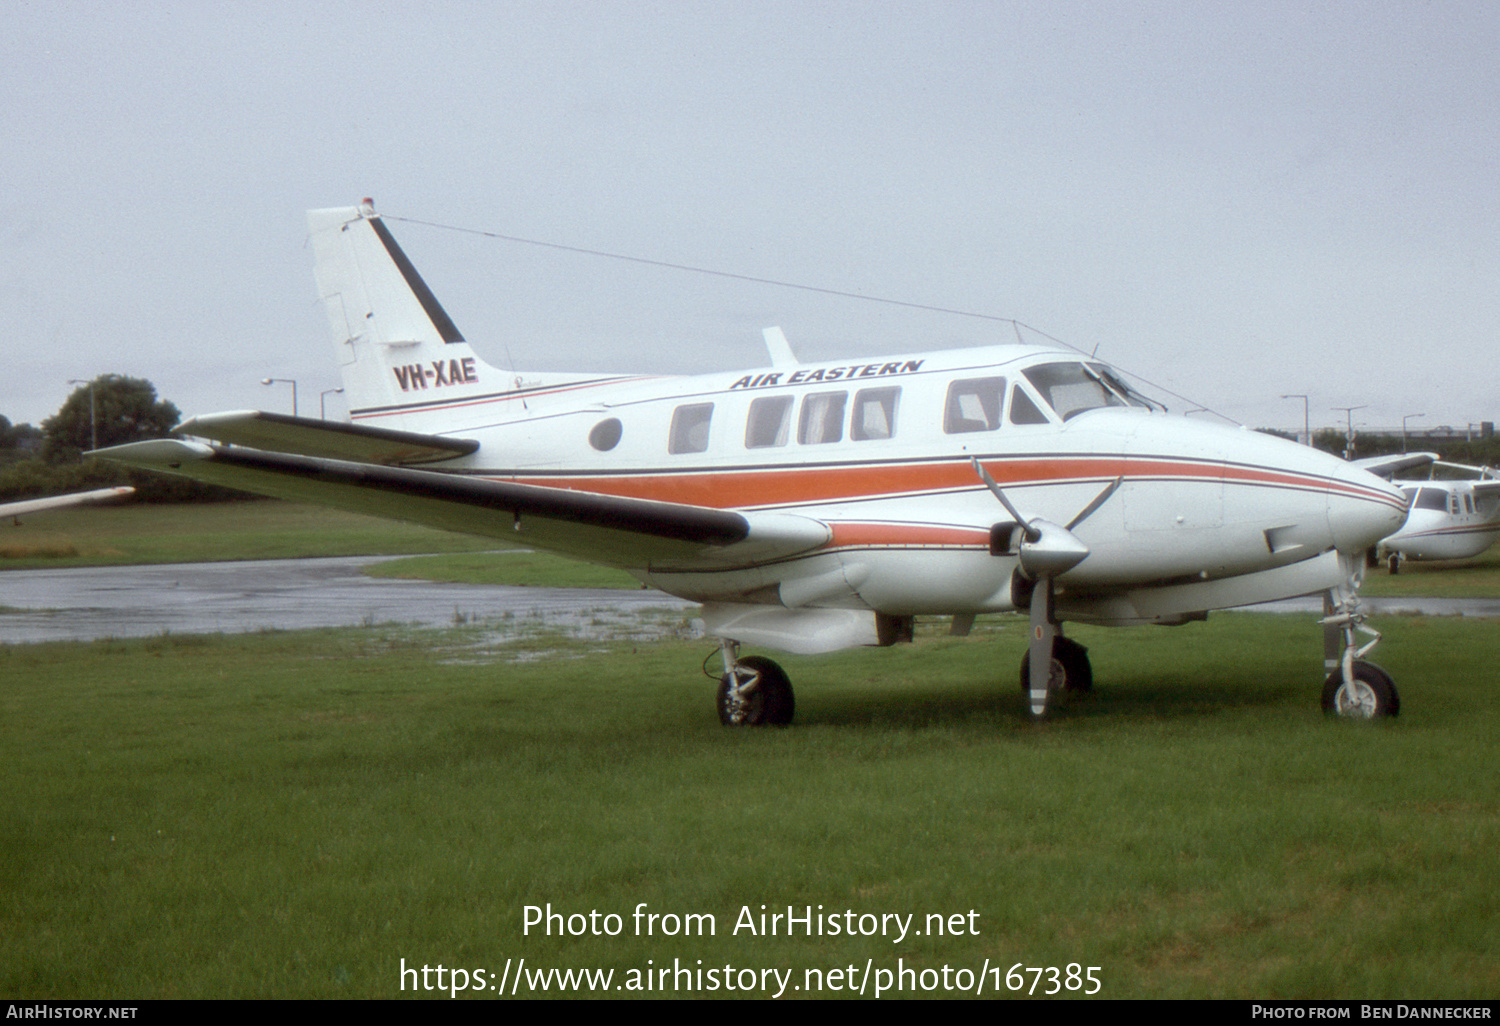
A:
[761,921]
[809,375]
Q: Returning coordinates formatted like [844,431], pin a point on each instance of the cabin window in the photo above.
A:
[1071,388]
[822,418]
[690,428]
[606,434]
[1468,503]
[1023,410]
[973,405]
[770,422]
[874,414]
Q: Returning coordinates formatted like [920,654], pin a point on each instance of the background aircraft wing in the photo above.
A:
[276,432]
[599,528]
[25,506]
[1395,463]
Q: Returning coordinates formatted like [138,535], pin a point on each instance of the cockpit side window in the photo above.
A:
[973,405]
[1023,410]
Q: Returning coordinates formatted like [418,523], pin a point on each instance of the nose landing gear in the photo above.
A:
[1355,689]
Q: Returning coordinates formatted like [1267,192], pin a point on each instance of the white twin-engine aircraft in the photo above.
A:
[1452,519]
[813,507]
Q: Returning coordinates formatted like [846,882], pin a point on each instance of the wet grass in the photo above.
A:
[516,568]
[291,815]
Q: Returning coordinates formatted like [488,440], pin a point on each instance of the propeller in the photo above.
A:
[1046,549]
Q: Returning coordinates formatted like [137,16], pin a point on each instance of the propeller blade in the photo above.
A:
[1099,500]
[1032,534]
[1043,635]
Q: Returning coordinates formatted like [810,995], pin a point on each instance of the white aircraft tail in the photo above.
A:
[398,350]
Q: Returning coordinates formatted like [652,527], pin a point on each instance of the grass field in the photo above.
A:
[257,529]
[291,815]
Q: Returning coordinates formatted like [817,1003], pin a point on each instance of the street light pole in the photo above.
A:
[285,381]
[1349,429]
[1404,419]
[1306,430]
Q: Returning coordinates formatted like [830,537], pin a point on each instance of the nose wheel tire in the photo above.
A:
[759,695]
[1370,695]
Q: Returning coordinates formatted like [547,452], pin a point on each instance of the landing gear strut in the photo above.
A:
[754,691]
[1355,689]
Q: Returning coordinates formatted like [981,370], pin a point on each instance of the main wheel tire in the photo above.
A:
[771,704]
[1071,660]
[1371,695]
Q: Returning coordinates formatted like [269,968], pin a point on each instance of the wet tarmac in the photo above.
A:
[205,598]
[89,603]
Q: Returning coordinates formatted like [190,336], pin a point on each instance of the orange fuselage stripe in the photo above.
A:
[746,488]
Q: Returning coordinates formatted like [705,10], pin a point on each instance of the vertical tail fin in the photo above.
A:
[398,350]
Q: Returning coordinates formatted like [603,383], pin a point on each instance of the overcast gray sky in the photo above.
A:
[1232,200]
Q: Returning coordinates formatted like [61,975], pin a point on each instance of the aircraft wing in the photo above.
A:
[599,528]
[276,432]
[1395,463]
[25,506]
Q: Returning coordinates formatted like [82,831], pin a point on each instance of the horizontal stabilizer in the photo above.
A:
[634,533]
[303,436]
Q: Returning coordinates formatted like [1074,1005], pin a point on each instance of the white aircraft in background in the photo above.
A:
[815,506]
[1449,519]
[27,506]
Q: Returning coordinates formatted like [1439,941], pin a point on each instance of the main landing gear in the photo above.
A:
[754,691]
[1355,689]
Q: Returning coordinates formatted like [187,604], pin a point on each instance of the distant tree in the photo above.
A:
[119,410]
[17,441]
[1290,436]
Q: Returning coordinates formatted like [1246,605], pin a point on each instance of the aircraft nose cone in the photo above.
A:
[1363,510]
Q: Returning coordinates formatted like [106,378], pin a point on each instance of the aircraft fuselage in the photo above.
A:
[880,451]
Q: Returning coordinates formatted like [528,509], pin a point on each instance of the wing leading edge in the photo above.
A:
[632,533]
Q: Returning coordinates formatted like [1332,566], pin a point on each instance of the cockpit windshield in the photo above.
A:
[1428,498]
[1073,388]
